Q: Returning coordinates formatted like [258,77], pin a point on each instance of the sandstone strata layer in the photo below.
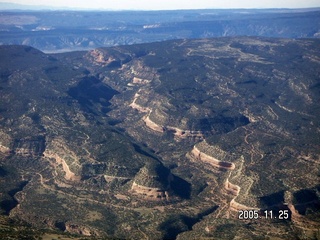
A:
[204,152]
[149,193]
[221,160]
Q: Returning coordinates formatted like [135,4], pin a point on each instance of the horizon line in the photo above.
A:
[30,7]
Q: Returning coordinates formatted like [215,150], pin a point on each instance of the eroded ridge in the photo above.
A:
[199,152]
[217,158]
[162,128]
[177,132]
[152,125]
[138,107]
[58,151]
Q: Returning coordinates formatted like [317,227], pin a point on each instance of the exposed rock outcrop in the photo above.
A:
[4,149]
[152,125]
[138,106]
[141,81]
[300,220]
[204,152]
[108,57]
[150,193]
[178,133]
[30,146]
[152,182]
[69,175]
[235,206]
[231,188]
[79,229]
[219,159]
[5,142]
[62,155]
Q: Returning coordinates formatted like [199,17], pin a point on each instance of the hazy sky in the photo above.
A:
[171,4]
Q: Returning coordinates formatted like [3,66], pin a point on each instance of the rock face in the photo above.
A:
[152,125]
[60,154]
[223,161]
[149,192]
[152,182]
[212,155]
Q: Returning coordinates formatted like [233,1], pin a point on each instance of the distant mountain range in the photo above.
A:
[16,6]
[22,7]
[58,31]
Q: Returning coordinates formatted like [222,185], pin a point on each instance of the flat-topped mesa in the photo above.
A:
[152,182]
[212,155]
[177,132]
[219,159]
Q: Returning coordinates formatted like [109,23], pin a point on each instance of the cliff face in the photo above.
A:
[202,156]
[225,162]
[149,193]
[153,182]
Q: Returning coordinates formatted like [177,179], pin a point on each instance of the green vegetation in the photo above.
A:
[206,124]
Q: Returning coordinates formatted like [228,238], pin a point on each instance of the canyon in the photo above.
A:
[165,140]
